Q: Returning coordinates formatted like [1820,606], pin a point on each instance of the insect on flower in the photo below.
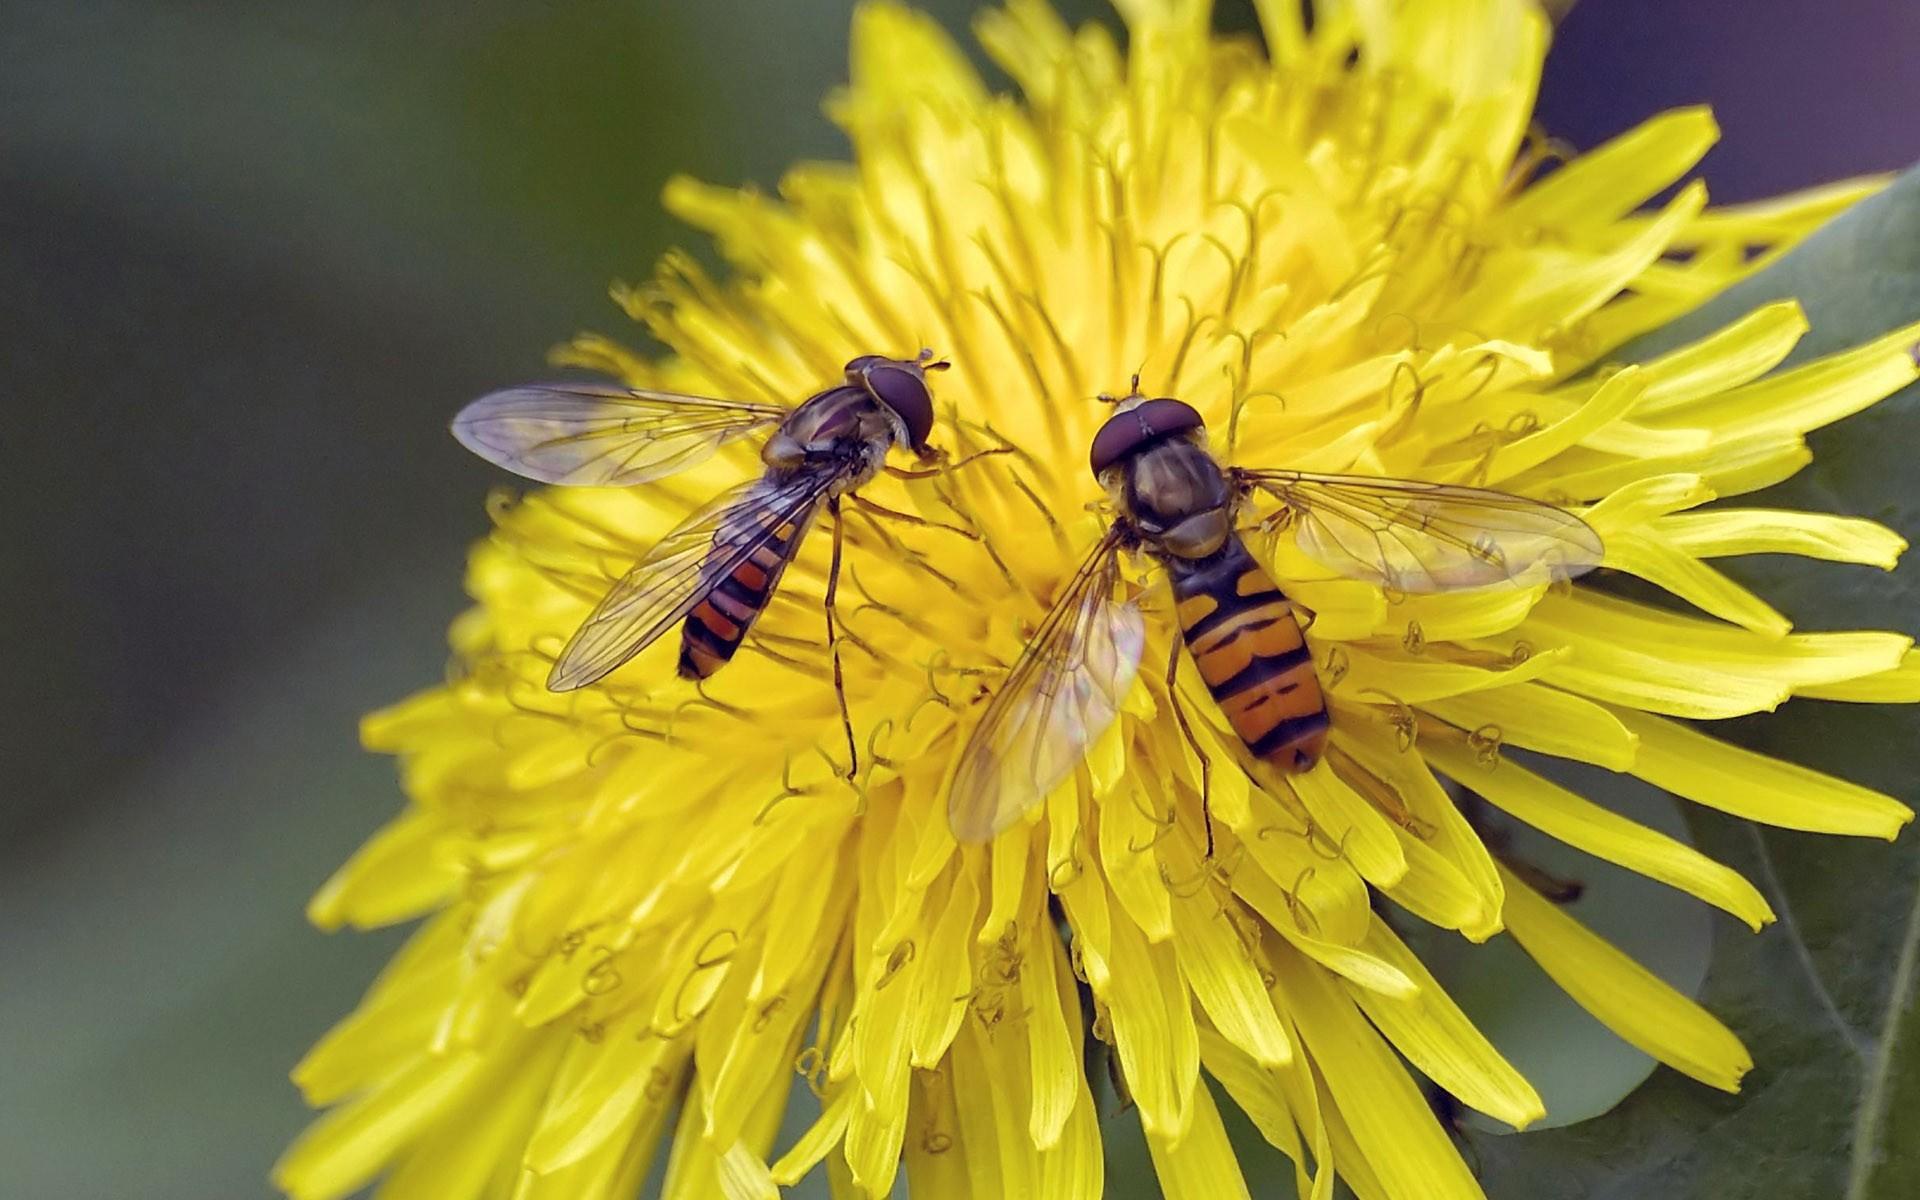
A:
[715,573]
[1172,499]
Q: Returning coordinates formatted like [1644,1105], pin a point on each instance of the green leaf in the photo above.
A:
[1825,998]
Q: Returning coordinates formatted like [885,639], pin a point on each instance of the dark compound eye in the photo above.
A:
[1138,427]
[903,388]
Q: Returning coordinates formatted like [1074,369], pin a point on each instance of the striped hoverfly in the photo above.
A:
[1174,501]
[716,572]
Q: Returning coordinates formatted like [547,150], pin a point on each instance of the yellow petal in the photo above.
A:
[1368,672]
[1640,657]
[1074,1168]
[1009,874]
[746,1047]
[800,917]
[1720,532]
[942,984]
[1542,718]
[1153,1030]
[1355,966]
[1377,760]
[348,1146]
[1808,396]
[1438,1038]
[697,1170]
[744,1177]
[1256,1091]
[1720,775]
[397,875]
[1666,566]
[1618,395]
[617,1082]
[1516,291]
[819,1140]
[1398,1138]
[1435,890]
[1051,1003]
[1458,616]
[1130,825]
[1781,220]
[938,1164]
[1626,997]
[1728,467]
[1584,825]
[396,727]
[990,1076]
[1293,867]
[1028,40]
[617,1168]
[393,1021]
[1201,1163]
[1730,356]
[902,57]
[461,1156]
[1610,181]
[1224,977]
[1897,685]
[1344,816]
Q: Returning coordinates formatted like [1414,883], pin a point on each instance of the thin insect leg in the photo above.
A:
[1206,764]
[911,473]
[945,467]
[977,455]
[894,514]
[833,646]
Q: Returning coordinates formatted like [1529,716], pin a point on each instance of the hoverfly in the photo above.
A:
[715,573]
[1172,499]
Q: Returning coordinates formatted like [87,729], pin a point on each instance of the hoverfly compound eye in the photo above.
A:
[902,387]
[1138,427]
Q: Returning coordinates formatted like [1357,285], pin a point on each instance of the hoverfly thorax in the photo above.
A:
[1151,456]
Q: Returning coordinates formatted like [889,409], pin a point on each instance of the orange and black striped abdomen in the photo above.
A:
[716,625]
[1246,641]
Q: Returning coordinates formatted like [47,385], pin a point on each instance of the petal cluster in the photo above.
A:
[654,914]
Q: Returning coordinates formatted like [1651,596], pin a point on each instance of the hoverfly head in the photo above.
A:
[901,385]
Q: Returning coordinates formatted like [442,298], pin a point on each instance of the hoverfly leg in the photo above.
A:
[942,466]
[894,514]
[912,473]
[833,644]
[977,455]
[1206,764]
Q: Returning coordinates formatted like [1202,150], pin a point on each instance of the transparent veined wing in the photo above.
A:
[602,435]
[1427,537]
[685,566]
[1062,694]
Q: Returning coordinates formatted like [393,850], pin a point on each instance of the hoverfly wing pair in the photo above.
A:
[751,530]
[1063,692]
[1422,538]
[717,570]
[601,435]
[1070,681]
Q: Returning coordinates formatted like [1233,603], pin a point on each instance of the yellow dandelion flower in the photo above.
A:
[650,907]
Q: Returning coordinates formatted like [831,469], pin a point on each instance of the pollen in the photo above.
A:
[654,914]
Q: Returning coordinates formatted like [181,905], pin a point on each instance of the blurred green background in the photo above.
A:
[251,258]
